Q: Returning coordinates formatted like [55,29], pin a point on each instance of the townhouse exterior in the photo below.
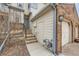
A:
[54,25]
[43,24]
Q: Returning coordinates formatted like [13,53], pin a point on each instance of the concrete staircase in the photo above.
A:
[30,38]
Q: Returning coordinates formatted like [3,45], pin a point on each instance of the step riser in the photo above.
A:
[30,38]
[28,33]
[31,42]
[16,33]
[16,36]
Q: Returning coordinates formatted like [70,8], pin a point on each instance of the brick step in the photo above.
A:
[29,35]
[29,32]
[31,41]
[11,42]
[15,39]
[16,36]
[16,32]
[16,26]
[31,38]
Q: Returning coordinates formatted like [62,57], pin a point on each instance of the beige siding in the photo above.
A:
[34,27]
[44,27]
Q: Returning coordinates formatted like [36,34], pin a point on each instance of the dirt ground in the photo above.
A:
[71,49]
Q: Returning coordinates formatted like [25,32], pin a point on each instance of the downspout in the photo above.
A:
[54,30]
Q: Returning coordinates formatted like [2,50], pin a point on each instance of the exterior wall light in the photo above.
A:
[61,17]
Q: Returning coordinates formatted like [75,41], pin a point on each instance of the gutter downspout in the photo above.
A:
[54,29]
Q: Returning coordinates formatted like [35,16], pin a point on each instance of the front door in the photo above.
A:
[26,22]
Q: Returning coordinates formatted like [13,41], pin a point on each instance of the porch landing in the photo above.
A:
[71,49]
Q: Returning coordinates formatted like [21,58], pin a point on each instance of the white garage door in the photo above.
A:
[65,33]
[45,27]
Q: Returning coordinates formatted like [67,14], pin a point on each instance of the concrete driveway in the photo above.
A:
[71,49]
[36,49]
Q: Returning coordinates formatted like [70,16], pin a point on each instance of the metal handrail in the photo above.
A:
[7,34]
[4,42]
[1,46]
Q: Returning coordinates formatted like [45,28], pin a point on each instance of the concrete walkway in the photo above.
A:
[36,49]
[71,49]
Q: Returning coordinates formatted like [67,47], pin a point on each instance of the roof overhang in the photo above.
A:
[16,8]
[43,11]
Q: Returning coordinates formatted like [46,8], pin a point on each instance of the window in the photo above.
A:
[33,5]
[17,16]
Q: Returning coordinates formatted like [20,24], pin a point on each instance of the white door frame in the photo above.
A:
[70,30]
[76,32]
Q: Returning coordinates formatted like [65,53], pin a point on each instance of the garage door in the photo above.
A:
[45,27]
[65,33]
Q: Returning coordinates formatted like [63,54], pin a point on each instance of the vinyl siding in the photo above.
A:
[44,28]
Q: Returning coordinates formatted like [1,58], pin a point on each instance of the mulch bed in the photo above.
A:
[76,40]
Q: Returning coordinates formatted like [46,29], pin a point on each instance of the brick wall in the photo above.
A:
[68,11]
